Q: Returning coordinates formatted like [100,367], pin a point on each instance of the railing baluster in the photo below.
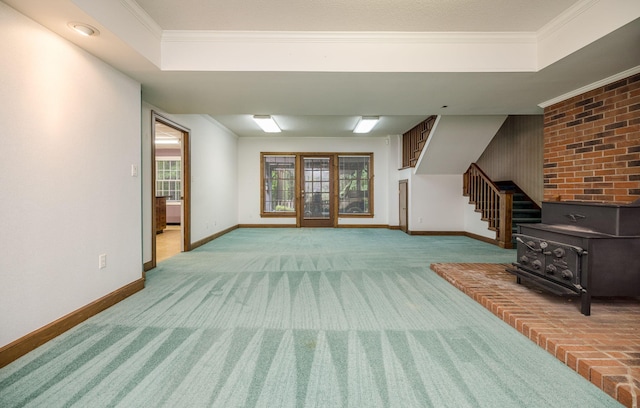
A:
[412,140]
[485,195]
[495,206]
[494,211]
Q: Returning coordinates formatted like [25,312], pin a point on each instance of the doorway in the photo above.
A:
[404,208]
[316,191]
[170,189]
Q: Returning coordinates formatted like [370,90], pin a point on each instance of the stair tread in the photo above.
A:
[524,210]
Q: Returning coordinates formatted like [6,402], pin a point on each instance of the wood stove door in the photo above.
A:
[557,262]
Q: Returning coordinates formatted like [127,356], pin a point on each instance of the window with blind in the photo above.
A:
[169,178]
[278,185]
[355,183]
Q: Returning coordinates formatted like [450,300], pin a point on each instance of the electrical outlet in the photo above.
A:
[102,261]
[134,170]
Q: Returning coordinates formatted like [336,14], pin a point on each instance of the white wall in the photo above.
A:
[457,141]
[70,134]
[394,157]
[436,203]
[214,181]
[249,172]
[473,222]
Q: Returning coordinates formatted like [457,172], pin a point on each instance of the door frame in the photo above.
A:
[185,154]
[403,227]
[332,221]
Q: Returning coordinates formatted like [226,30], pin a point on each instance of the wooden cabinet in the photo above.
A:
[161,214]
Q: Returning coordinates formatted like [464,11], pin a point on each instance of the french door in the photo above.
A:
[316,191]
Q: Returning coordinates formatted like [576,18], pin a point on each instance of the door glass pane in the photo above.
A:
[316,188]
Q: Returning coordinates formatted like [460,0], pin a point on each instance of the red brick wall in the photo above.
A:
[592,145]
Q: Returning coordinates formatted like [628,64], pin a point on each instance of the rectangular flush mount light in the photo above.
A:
[365,124]
[166,141]
[267,123]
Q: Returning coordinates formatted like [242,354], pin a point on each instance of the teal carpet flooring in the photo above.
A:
[300,318]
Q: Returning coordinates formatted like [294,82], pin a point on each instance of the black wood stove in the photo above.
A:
[582,249]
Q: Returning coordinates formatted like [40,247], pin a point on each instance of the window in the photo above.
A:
[350,179]
[278,182]
[169,177]
[355,183]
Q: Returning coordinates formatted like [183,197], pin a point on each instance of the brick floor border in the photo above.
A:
[604,348]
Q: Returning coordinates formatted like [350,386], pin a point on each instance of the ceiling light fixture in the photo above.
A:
[83,29]
[366,123]
[167,141]
[267,123]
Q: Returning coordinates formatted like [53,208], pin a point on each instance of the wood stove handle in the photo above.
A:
[527,245]
[575,217]
[578,250]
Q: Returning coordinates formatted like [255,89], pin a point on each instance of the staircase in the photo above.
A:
[503,204]
[524,209]
[414,141]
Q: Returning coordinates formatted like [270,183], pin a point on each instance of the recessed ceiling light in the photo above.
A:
[365,124]
[83,29]
[267,123]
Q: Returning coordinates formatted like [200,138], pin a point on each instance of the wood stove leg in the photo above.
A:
[585,300]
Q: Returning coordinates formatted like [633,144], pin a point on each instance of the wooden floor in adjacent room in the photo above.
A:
[168,242]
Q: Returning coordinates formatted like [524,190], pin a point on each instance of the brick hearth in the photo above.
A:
[604,347]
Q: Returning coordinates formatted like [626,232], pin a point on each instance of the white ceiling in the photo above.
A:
[317,65]
[167,137]
[355,15]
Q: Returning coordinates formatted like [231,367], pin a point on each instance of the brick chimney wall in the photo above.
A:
[592,145]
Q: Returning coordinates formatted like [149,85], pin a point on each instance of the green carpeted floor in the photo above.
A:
[300,318]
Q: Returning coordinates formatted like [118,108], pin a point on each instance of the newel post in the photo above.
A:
[506,213]
[465,183]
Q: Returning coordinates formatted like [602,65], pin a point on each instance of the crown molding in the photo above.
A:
[592,86]
[143,17]
[348,37]
[222,127]
[387,37]
[565,18]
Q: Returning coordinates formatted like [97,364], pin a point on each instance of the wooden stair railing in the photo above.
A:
[414,140]
[495,205]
